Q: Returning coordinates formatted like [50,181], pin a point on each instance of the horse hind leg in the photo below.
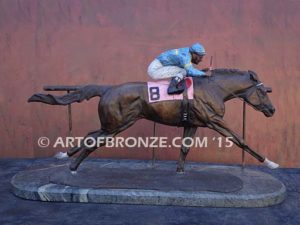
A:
[69,153]
[74,150]
[95,135]
[93,142]
[85,153]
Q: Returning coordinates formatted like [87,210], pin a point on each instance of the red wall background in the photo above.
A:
[73,42]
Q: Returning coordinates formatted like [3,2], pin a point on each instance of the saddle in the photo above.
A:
[157,92]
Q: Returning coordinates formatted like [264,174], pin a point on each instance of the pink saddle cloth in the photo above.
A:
[157,91]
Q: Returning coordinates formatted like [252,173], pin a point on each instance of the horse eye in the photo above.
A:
[262,91]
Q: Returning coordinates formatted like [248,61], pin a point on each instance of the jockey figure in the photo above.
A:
[177,63]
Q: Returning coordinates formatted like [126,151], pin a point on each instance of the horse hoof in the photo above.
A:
[180,171]
[73,172]
[270,164]
[61,155]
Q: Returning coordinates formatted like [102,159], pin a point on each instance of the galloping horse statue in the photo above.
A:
[121,106]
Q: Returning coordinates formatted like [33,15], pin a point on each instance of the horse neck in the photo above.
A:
[232,86]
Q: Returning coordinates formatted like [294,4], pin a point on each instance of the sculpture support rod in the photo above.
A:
[67,89]
[70,118]
[153,149]
[244,132]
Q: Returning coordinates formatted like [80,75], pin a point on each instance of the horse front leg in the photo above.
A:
[219,125]
[188,132]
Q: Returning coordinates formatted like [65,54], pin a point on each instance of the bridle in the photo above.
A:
[247,90]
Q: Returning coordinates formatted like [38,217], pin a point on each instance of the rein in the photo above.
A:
[237,96]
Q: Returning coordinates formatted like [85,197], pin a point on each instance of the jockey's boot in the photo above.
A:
[176,86]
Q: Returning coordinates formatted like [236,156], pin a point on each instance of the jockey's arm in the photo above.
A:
[185,62]
[193,72]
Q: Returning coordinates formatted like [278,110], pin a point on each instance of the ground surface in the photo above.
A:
[14,210]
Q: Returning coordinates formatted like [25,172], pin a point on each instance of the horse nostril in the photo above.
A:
[268,90]
[273,110]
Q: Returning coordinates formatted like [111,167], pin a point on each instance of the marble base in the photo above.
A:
[136,182]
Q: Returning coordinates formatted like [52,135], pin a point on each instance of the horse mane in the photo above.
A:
[225,71]
[221,73]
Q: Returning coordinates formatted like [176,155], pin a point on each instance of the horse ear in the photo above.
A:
[253,75]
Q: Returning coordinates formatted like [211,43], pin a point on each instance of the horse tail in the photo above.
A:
[82,93]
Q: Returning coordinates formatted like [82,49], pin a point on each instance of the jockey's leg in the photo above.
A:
[157,71]
[153,69]
[177,84]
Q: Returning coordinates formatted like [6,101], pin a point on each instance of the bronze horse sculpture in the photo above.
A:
[121,106]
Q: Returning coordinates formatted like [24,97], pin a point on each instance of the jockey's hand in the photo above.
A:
[207,69]
[208,73]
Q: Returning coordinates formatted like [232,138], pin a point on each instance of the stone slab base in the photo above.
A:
[136,182]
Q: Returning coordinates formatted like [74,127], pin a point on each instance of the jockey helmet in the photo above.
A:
[197,49]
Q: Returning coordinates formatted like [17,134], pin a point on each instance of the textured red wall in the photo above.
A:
[72,42]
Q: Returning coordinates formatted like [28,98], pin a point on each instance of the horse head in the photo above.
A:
[257,96]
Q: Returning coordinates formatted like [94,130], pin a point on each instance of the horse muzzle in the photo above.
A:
[268,111]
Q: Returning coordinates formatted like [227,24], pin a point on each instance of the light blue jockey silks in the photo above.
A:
[182,57]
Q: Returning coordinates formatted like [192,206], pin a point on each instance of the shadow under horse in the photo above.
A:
[122,105]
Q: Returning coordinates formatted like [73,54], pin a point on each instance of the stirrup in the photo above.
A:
[176,87]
